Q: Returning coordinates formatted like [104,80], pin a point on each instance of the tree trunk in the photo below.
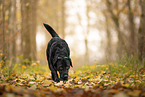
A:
[87,32]
[55,17]
[141,34]
[108,48]
[115,17]
[12,26]
[0,26]
[132,43]
[33,29]
[3,34]
[26,28]
[63,18]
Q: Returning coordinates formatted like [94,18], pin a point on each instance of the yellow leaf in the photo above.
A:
[54,89]
[39,80]
[126,85]
[9,88]
[31,82]
[10,95]
[34,64]
[33,87]
[79,85]
[134,93]
[114,91]
[23,67]
[121,94]
[47,82]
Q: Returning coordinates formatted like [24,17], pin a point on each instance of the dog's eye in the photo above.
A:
[60,68]
[67,68]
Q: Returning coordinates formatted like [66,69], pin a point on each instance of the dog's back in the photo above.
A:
[57,47]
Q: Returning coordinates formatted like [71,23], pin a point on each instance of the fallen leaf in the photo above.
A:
[121,94]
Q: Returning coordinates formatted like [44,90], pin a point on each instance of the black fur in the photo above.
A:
[58,56]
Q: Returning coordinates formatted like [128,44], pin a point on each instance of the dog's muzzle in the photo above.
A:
[65,76]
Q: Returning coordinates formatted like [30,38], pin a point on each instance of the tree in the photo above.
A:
[132,43]
[63,18]
[3,46]
[12,27]
[115,15]
[88,6]
[26,28]
[141,33]
[34,4]
[108,48]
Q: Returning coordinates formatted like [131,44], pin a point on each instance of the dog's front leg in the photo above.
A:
[55,76]
[54,73]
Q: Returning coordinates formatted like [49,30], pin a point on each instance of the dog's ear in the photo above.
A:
[70,62]
[54,60]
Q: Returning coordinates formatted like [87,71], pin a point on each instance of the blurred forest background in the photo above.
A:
[95,30]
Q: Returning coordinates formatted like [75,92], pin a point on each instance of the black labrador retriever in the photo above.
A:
[58,56]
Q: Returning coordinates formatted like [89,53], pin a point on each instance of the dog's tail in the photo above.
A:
[50,30]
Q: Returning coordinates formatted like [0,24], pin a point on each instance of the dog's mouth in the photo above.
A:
[64,77]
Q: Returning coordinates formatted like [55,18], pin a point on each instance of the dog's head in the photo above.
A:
[62,64]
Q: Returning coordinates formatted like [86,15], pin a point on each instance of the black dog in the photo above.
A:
[58,56]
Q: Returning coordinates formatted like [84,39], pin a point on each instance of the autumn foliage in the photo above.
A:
[106,80]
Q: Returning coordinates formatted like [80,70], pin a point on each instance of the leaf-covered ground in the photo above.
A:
[108,80]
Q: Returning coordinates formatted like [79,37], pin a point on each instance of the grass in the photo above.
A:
[127,72]
[111,78]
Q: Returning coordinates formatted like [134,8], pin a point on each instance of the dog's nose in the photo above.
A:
[65,76]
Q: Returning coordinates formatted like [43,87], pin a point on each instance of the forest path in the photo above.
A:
[109,80]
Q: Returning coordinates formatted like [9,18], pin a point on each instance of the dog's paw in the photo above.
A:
[64,79]
[55,77]
[57,80]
